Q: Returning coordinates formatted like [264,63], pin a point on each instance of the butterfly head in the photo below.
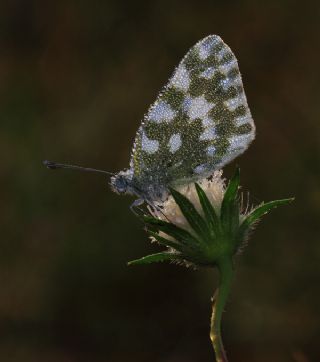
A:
[121,182]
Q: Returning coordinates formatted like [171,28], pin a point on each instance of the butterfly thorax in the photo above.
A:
[148,188]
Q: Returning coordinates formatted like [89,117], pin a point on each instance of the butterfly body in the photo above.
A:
[199,122]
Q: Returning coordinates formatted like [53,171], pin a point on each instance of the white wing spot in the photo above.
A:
[244,119]
[225,68]
[221,53]
[234,103]
[226,83]
[181,78]
[200,169]
[207,122]
[240,142]
[175,142]
[211,151]
[186,104]
[148,145]
[206,45]
[208,134]
[204,52]
[208,73]
[161,112]
[198,107]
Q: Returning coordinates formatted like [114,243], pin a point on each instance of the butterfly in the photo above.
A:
[199,122]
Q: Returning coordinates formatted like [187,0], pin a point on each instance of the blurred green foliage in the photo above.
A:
[75,80]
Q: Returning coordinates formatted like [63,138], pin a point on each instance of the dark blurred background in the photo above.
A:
[75,80]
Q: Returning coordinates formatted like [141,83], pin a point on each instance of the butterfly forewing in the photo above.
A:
[199,122]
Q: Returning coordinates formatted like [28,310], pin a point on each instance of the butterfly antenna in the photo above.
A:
[54,166]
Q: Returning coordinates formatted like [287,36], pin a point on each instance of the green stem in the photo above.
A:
[225,279]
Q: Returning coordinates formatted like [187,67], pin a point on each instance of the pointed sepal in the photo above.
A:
[155,258]
[255,215]
[209,212]
[230,205]
[181,235]
[191,214]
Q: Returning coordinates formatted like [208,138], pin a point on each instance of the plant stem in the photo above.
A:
[225,278]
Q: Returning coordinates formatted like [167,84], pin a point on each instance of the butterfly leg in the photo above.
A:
[136,203]
[157,209]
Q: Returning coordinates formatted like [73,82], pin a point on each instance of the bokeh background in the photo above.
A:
[75,80]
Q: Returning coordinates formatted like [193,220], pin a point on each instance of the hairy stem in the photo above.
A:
[225,279]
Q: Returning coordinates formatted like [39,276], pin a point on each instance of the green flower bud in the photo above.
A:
[203,223]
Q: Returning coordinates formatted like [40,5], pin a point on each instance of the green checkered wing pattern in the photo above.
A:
[199,122]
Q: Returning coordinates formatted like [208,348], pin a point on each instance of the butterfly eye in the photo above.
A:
[121,184]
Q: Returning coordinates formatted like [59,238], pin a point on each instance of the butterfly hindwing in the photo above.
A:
[199,122]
